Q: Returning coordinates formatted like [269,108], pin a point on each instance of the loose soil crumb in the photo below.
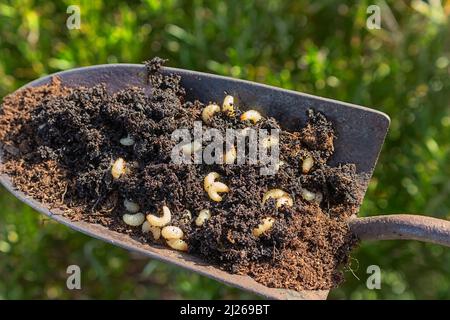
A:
[59,144]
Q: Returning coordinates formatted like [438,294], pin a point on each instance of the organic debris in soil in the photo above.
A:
[59,145]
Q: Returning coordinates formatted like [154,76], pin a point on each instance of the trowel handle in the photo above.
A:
[402,226]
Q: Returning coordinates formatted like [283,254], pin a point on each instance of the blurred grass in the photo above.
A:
[318,47]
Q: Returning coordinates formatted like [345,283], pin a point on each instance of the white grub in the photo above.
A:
[228,106]
[203,215]
[147,227]
[118,168]
[209,111]
[160,221]
[281,197]
[191,148]
[251,115]
[308,195]
[133,220]
[210,179]
[307,164]
[177,244]
[131,206]
[172,232]
[284,201]
[215,189]
[127,141]
[266,224]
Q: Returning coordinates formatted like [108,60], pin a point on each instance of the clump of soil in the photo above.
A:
[59,144]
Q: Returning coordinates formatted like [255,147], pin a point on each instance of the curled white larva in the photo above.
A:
[131,206]
[274,193]
[230,156]
[118,168]
[203,215]
[308,195]
[147,227]
[127,141]
[312,196]
[178,244]
[191,148]
[209,179]
[209,111]
[266,224]
[251,115]
[160,221]
[133,220]
[307,164]
[215,188]
[281,197]
[219,187]
[214,196]
[228,105]
[284,201]
[172,232]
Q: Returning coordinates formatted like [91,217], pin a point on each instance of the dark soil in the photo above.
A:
[59,144]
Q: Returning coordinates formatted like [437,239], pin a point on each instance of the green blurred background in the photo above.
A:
[318,47]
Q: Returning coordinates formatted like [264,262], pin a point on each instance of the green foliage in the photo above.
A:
[318,47]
